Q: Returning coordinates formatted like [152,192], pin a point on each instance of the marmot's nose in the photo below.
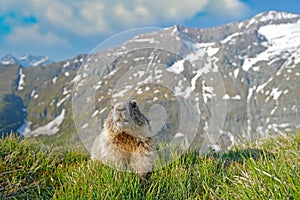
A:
[121,118]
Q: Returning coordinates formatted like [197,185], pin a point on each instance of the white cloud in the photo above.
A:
[78,18]
[136,15]
[31,35]
[228,8]
[175,10]
[90,18]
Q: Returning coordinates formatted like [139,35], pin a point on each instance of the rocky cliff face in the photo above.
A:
[239,81]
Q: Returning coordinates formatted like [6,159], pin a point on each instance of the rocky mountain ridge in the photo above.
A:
[26,60]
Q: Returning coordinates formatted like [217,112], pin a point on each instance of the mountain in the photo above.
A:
[243,77]
[26,60]
[9,59]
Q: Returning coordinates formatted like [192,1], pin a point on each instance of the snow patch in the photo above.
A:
[66,64]
[54,80]
[262,86]
[230,37]
[85,126]
[67,74]
[21,83]
[138,74]
[175,29]
[102,110]
[227,97]
[33,92]
[25,128]
[212,51]
[207,92]
[284,125]
[236,72]
[273,110]
[195,55]
[256,69]
[65,91]
[138,58]
[189,90]
[122,92]
[51,128]
[150,41]
[95,113]
[177,67]
[237,97]
[139,91]
[248,63]
[52,102]
[77,78]
[276,93]
[250,92]
[63,100]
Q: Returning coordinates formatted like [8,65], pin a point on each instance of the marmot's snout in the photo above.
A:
[121,113]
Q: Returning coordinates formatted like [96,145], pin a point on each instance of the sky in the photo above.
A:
[62,29]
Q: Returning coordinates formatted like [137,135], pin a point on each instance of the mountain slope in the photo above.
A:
[244,76]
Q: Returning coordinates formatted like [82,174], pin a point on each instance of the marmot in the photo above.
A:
[125,141]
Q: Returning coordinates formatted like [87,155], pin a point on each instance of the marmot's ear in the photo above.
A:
[133,103]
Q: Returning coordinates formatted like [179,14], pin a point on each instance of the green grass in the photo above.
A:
[268,170]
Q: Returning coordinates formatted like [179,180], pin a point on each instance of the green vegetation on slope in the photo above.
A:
[268,170]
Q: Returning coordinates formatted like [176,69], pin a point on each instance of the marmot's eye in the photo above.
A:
[112,106]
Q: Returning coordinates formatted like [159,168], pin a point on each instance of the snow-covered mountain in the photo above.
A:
[26,60]
[250,68]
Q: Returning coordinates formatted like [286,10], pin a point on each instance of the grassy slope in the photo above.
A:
[269,170]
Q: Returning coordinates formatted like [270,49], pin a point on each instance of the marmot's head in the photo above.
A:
[127,116]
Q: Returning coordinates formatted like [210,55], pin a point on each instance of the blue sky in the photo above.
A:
[62,29]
